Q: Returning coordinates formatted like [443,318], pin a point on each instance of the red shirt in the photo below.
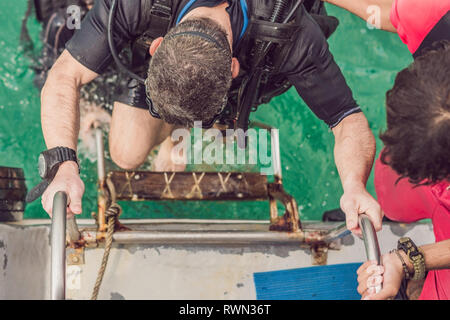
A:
[414,19]
[406,203]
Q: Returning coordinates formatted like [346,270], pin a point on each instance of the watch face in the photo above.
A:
[42,165]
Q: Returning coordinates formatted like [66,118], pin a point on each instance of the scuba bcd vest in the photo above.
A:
[266,39]
[270,26]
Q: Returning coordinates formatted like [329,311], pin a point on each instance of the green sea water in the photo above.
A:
[368,58]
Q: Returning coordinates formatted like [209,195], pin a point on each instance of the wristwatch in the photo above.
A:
[48,164]
[50,160]
[415,255]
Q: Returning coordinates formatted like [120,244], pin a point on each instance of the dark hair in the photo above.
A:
[417,139]
[190,72]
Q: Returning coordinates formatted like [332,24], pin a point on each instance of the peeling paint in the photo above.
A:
[348,240]
[49,237]
[270,250]
[400,229]
[283,251]
[117,296]
[132,249]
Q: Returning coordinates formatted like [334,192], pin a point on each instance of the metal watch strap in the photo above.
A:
[415,255]
[418,261]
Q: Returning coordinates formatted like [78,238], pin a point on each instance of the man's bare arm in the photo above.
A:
[362,8]
[60,118]
[437,256]
[354,153]
[60,115]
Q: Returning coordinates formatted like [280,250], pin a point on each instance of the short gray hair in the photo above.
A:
[190,74]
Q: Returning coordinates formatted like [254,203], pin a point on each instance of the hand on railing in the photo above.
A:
[67,179]
[370,273]
[358,200]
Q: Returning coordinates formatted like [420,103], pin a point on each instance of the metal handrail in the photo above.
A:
[58,247]
[61,226]
[370,242]
[275,147]
[223,232]
[100,152]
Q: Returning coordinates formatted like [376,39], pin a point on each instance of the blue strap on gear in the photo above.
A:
[243,4]
[184,10]
[245,14]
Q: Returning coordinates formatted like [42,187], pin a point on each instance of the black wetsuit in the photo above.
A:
[310,66]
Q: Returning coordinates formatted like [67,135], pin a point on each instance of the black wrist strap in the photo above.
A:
[67,154]
[37,191]
[62,154]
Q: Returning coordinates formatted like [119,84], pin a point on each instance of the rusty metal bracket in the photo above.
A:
[290,220]
[74,243]
[103,202]
[319,254]
[75,256]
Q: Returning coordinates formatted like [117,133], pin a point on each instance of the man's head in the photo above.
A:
[417,138]
[190,71]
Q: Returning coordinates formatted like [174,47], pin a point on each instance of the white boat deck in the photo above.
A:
[178,270]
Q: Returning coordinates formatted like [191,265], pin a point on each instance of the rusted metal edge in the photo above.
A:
[290,220]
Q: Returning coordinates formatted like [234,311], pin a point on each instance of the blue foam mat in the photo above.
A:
[333,282]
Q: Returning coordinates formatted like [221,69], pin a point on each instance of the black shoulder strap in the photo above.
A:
[278,31]
[155,22]
[441,31]
[159,15]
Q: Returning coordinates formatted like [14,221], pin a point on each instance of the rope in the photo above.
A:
[111,215]
[112,189]
[196,190]
[127,184]
[167,191]
[223,182]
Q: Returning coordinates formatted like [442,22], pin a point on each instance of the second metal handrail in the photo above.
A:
[370,242]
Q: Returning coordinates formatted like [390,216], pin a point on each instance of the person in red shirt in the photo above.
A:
[412,174]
